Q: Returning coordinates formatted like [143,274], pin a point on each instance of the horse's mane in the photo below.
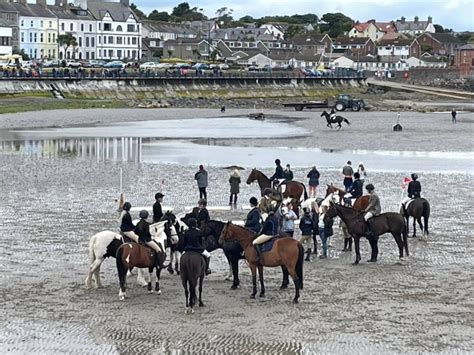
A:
[265,176]
[240,227]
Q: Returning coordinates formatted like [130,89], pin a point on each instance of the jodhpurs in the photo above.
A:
[131,235]
[368,216]
[262,239]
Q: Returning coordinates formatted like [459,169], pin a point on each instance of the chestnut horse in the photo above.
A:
[390,222]
[286,252]
[294,189]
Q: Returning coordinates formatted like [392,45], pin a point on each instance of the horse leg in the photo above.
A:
[170,266]
[262,286]
[357,249]
[374,250]
[286,281]
[422,228]
[192,297]
[253,270]
[157,284]
[201,280]
[229,275]
[142,278]
[92,270]
[414,227]
[178,260]
[150,273]
[186,295]
[98,284]
[235,272]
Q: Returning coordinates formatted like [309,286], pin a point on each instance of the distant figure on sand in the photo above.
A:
[201,178]
[234,182]
[453,116]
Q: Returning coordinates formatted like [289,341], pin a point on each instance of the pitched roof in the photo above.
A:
[7,7]
[445,37]
[167,27]
[381,26]
[33,10]
[68,13]
[411,25]
[342,40]
[467,47]
[395,42]
[361,59]
[117,10]
[309,39]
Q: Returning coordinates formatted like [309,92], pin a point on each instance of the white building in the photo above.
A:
[118,29]
[416,27]
[5,39]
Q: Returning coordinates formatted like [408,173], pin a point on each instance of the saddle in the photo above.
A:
[126,239]
[268,245]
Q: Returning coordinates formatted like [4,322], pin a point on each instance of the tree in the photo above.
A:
[23,54]
[159,16]
[68,40]
[441,29]
[183,12]
[137,11]
[292,31]
[336,24]
[466,37]
[224,16]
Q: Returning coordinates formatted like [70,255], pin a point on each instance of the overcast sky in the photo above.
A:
[455,14]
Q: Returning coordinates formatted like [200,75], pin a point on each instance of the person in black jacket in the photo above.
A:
[355,191]
[414,187]
[269,230]
[157,211]
[279,173]
[252,222]
[306,227]
[142,229]
[126,226]
[193,240]
[203,214]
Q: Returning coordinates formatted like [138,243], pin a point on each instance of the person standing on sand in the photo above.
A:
[313,176]
[347,171]
[453,116]
[234,182]
[201,178]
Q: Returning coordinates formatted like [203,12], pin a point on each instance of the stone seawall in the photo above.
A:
[167,88]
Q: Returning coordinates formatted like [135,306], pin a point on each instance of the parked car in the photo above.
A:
[71,63]
[253,68]
[267,67]
[115,64]
[149,65]
[223,66]
[96,63]
[164,65]
[85,64]
[51,64]
[201,66]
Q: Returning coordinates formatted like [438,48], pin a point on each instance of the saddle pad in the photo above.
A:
[267,246]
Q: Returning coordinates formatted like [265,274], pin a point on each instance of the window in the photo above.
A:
[87,41]
[119,53]
[111,53]
[54,53]
[50,24]
[134,40]
[35,39]
[22,23]
[99,40]
[93,41]
[71,27]
[31,23]
[152,43]
[134,54]
[54,39]
[80,41]
[49,37]
[90,28]
[119,28]
[41,23]
[100,26]
[128,40]
[49,53]
[92,55]
[41,37]
[105,39]
[119,40]
[111,39]
[130,28]
[171,48]
[82,27]
[23,36]
[87,55]
[107,27]
[62,26]
[189,48]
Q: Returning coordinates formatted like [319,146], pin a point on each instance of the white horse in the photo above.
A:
[105,244]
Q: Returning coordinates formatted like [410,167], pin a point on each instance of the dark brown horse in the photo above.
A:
[293,189]
[390,222]
[286,252]
[192,267]
[130,255]
[337,119]
[360,203]
[417,208]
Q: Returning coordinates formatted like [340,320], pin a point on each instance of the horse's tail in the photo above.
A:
[305,193]
[426,215]
[347,121]
[121,269]
[405,236]
[299,264]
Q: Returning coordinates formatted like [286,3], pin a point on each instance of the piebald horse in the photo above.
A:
[286,252]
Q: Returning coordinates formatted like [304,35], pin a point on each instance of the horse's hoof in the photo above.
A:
[283,287]
[201,304]
[252,297]
[234,287]
[372,260]
[150,291]
[295,301]
[158,292]
[262,295]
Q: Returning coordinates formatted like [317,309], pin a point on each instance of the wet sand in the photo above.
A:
[51,207]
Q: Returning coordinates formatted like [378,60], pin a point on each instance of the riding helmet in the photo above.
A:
[356,176]
[306,210]
[159,195]
[253,201]
[202,201]
[192,223]
[127,206]
[370,187]
[267,191]
[143,214]
[277,162]
[414,176]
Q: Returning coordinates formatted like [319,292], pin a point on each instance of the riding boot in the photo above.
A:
[315,251]
[350,244]
[308,253]
[258,249]
[235,200]
[370,234]
[208,270]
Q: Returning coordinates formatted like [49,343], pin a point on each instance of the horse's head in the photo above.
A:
[169,216]
[331,211]
[324,113]
[329,189]
[252,177]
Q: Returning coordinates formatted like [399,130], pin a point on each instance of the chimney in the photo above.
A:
[125,2]
[371,21]
[41,2]
[402,20]
[416,19]
[430,19]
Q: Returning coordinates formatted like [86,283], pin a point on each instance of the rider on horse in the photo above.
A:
[142,229]
[288,173]
[193,240]
[157,211]
[203,214]
[126,226]
[355,191]
[252,222]
[373,209]
[269,230]
[414,190]
[279,174]
[269,201]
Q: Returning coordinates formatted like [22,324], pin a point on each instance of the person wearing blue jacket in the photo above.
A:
[252,222]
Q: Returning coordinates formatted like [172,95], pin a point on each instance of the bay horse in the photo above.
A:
[389,222]
[417,208]
[293,189]
[232,250]
[337,119]
[360,203]
[106,243]
[285,251]
[193,267]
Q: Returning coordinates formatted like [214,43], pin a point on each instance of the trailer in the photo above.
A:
[299,106]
